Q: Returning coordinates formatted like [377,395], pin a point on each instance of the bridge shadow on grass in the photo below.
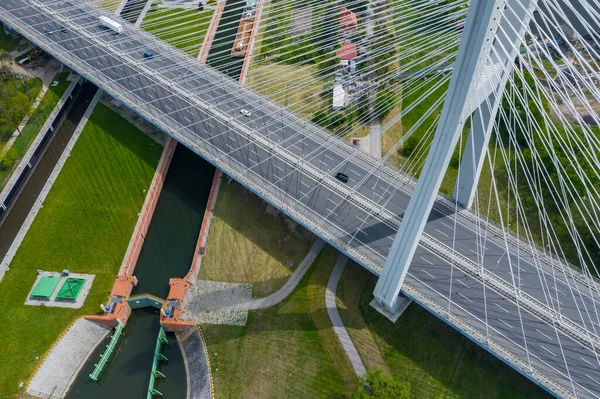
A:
[121,130]
[435,358]
[250,241]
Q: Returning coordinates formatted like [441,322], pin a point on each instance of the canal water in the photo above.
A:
[128,373]
[219,56]
[132,10]
[38,179]
[169,246]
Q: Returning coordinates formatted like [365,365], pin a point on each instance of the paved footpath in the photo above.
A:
[336,319]
[65,359]
[291,284]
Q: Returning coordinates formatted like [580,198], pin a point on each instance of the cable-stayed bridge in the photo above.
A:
[533,310]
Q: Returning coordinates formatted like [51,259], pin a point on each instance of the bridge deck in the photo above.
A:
[291,163]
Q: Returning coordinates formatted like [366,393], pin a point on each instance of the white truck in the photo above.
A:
[112,25]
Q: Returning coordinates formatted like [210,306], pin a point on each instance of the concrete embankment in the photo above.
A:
[196,362]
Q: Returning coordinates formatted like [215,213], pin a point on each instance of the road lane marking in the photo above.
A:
[426,260]
[467,298]
[441,232]
[463,283]
[304,184]
[593,379]
[505,323]
[427,273]
[501,307]
[446,225]
[588,362]
[545,335]
[548,350]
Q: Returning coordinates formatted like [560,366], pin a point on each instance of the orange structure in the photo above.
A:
[117,308]
[347,21]
[242,38]
[347,52]
[170,314]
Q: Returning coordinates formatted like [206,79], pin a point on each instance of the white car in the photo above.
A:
[245,112]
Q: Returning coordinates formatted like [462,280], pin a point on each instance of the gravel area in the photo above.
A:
[215,302]
[60,368]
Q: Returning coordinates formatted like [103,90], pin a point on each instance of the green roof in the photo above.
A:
[45,287]
[71,288]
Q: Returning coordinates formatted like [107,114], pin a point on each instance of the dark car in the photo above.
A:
[342,177]
[63,29]
[148,54]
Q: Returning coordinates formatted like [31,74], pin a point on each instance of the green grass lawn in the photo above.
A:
[36,121]
[184,29]
[84,226]
[437,360]
[286,351]
[250,242]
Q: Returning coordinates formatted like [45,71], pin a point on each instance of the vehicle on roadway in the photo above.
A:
[148,54]
[245,112]
[110,24]
[63,29]
[342,177]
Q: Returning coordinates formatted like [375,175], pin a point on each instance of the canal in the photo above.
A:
[30,193]
[173,233]
[167,252]
[219,56]
[128,372]
[132,10]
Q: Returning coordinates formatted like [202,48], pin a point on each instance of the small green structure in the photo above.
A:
[158,356]
[98,367]
[45,287]
[70,289]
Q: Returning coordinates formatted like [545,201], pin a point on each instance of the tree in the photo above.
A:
[24,80]
[14,112]
[377,385]
[5,65]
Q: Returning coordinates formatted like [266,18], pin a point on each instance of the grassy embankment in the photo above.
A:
[184,29]
[438,361]
[36,121]
[286,351]
[84,226]
[251,242]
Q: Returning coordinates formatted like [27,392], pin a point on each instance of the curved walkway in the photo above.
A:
[290,285]
[336,320]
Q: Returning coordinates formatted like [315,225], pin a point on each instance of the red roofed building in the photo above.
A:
[347,52]
[348,21]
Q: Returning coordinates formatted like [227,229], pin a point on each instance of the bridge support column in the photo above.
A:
[471,75]
[505,50]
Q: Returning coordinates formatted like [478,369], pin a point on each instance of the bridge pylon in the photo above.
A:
[491,40]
